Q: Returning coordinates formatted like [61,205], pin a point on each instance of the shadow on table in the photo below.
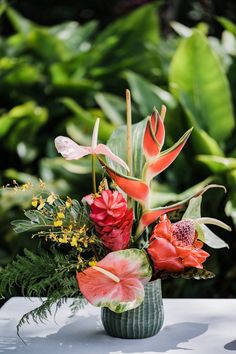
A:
[87,336]
[231,345]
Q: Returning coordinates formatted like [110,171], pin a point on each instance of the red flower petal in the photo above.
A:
[135,188]
[167,157]
[164,256]
[154,136]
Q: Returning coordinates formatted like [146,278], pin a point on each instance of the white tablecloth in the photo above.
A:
[202,326]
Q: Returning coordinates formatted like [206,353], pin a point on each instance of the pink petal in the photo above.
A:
[70,150]
[89,199]
[104,150]
[131,268]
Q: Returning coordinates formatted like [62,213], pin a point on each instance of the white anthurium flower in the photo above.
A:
[73,151]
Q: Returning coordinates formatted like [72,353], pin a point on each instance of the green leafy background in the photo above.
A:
[57,78]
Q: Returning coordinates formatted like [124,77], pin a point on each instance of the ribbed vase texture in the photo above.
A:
[142,322]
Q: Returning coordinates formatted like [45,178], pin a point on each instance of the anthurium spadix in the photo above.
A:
[72,151]
[117,280]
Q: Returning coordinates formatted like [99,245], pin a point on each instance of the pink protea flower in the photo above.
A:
[113,221]
[108,209]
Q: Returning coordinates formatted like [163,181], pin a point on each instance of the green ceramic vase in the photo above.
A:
[142,322]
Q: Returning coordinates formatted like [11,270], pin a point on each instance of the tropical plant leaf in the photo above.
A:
[218,164]
[196,72]
[113,106]
[195,273]
[118,145]
[147,95]
[211,239]
[87,120]
[193,210]
[227,24]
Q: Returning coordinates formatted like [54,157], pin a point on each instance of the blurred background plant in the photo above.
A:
[62,67]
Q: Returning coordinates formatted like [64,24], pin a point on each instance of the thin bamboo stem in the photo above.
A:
[129,132]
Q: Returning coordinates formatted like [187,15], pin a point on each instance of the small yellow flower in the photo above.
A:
[51,198]
[41,203]
[63,239]
[57,223]
[74,242]
[26,186]
[34,202]
[68,202]
[92,263]
[61,215]
[41,184]
[53,237]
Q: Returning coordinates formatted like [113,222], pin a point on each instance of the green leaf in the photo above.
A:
[114,107]
[193,210]
[211,239]
[20,23]
[75,37]
[163,193]
[196,74]
[86,120]
[189,274]
[118,145]
[140,26]
[19,120]
[203,143]
[48,47]
[217,164]
[147,95]
[180,29]
[227,24]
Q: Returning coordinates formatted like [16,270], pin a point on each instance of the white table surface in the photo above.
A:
[199,326]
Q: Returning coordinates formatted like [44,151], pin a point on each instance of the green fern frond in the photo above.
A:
[49,274]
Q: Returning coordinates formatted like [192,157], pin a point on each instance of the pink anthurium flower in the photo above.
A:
[117,280]
[72,151]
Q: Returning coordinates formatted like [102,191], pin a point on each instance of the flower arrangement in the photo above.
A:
[105,248]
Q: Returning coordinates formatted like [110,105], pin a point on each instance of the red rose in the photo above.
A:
[113,221]
[174,246]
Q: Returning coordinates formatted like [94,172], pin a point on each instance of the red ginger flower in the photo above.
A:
[108,209]
[113,222]
[175,246]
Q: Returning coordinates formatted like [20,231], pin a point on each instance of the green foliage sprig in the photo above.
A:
[56,280]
